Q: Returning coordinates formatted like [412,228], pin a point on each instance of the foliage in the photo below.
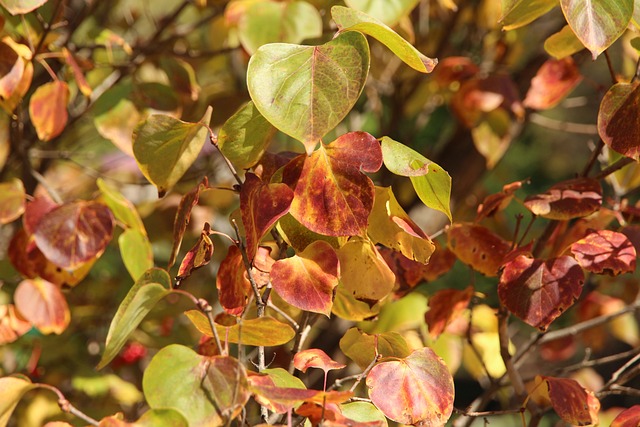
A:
[325,174]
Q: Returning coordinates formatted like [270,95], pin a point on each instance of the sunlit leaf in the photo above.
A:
[552,83]
[74,233]
[389,11]
[299,237]
[563,43]
[315,358]
[43,304]
[573,403]
[628,418]
[151,418]
[136,252]
[349,19]
[431,182]
[277,398]
[478,247]
[165,148]
[444,307]
[245,136]
[497,202]
[123,210]
[294,87]
[597,23]
[332,196]
[12,389]
[142,297]
[518,13]
[261,205]
[567,199]
[198,256]
[492,135]
[618,119]
[605,251]
[362,348]
[415,390]
[206,390]
[48,109]
[261,331]
[233,285]
[12,324]
[330,415]
[346,306]
[538,291]
[271,379]
[116,116]
[307,279]
[363,412]
[21,7]
[17,70]
[12,200]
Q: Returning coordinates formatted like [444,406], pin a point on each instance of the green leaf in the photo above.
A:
[142,297]
[431,182]
[563,43]
[207,390]
[271,22]
[136,252]
[518,13]
[162,418]
[364,412]
[165,148]
[12,389]
[305,91]
[353,20]
[597,23]
[122,208]
[388,11]
[245,136]
[282,378]
[12,200]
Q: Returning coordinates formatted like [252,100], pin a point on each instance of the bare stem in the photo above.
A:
[214,142]
[365,372]
[204,306]
[619,164]
[67,407]
[612,72]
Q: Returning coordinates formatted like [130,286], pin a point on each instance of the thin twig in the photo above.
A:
[67,407]
[619,164]
[612,72]
[281,312]
[594,157]
[55,196]
[365,372]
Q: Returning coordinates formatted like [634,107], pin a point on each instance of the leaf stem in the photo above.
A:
[204,306]
[612,72]
[592,160]
[214,142]
[365,372]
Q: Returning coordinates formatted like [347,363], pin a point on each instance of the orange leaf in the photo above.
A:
[198,256]
[628,418]
[315,358]
[48,109]
[444,307]
[232,283]
[478,247]
[12,324]
[618,124]
[42,303]
[554,80]
[573,403]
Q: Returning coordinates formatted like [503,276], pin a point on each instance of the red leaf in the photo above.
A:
[628,418]
[605,252]
[478,247]
[416,390]
[198,256]
[48,109]
[554,80]
[539,291]
[573,403]
[261,205]
[42,303]
[232,283]
[331,194]
[567,200]
[307,280]
[12,324]
[35,211]
[444,307]
[619,119]
[75,233]
[277,399]
[315,358]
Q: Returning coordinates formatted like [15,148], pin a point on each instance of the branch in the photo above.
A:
[619,164]
[67,407]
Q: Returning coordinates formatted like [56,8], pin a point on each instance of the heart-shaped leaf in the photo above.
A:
[74,233]
[605,251]
[307,279]
[43,304]
[12,389]
[518,13]
[538,291]
[478,247]
[315,358]
[553,81]
[416,390]
[567,200]
[48,109]
[349,19]
[233,286]
[332,196]
[165,148]
[618,123]
[12,200]
[445,306]
[431,182]
[388,11]
[150,288]
[598,23]
[362,348]
[288,81]
[572,402]
[136,252]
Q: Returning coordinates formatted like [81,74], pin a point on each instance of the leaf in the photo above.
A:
[389,11]
[21,7]
[518,13]
[538,291]
[444,307]
[332,196]
[277,398]
[136,252]
[165,148]
[288,81]
[605,252]
[330,415]
[16,62]
[271,22]
[123,210]
[48,109]
[299,237]
[12,200]
[630,417]
[43,304]
[12,389]
[315,358]
[453,70]
[347,307]
[141,298]
[563,43]
[198,256]
[552,83]
[151,418]
[74,233]
[492,135]
[233,286]
[362,348]
[116,116]
[307,279]
[478,247]
[77,73]
[261,205]
[12,324]
[207,390]
[573,403]
[597,23]
[363,412]
[566,200]
[182,75]
[618,122]
[353,20]
[414,390]
[431,182]
[261,331]
[245,136]
[363,272]
[497,202]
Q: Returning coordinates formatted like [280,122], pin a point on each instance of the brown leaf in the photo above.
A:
[497,202]
[619,119]
[573,403]
[567,200]
[198,256]
[233,286]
